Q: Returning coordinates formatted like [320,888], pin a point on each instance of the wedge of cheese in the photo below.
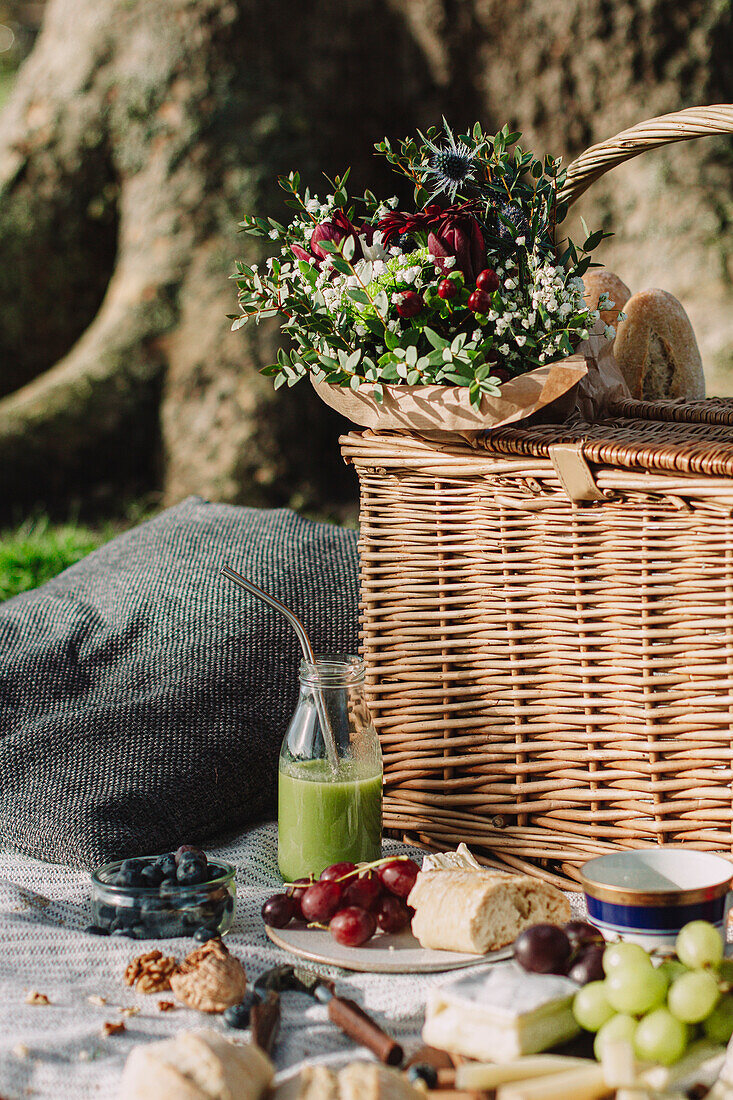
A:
[478,911]
[501,1013]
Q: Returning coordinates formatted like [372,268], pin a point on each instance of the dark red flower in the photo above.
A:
[397,223]
[459,235]
[336,229]
[452,231]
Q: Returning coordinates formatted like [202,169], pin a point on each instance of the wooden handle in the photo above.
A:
[355,1023]
[264,1022]
[693,122]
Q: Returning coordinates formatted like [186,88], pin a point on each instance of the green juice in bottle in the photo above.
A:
[329,807]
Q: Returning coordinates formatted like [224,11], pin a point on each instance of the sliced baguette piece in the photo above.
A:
[585,1083]
[314,1082]
[371,1081]
[486,1076]
[480,911]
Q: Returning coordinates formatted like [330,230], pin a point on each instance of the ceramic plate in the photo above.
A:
[396,954]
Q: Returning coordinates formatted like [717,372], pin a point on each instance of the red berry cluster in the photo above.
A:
[352,902]
[411,303]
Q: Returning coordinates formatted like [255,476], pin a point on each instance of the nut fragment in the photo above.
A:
[33,997]
[95,999]
[110,1028]
[131,1010]
[210,979]
[20,1050]
[166,1006]
[150,973]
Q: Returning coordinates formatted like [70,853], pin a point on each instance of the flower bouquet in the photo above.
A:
[462,314]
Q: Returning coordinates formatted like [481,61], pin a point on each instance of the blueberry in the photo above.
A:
[95,930]
[167,864]
[203,935]
[126,917]
[151,876]
[238,1015]
[421,1071]
[107,913]
[130,876]
[169,891]
[191,873]
[189,849]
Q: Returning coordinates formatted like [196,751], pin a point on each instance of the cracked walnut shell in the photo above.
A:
[210,979]
[151,972]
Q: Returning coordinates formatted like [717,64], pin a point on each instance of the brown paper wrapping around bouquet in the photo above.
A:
[582,383]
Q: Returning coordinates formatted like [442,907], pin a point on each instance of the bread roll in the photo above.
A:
[196,1065]
[480,911]
[656,349]
[600,281]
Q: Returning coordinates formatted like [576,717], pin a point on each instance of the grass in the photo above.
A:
[38,550]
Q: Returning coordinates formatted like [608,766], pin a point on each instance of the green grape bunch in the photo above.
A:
[660,1006]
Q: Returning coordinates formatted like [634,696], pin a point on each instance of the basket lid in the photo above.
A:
[694,437]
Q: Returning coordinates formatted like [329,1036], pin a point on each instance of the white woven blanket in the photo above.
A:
[59,1051]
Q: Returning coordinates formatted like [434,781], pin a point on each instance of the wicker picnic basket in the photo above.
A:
[547,619]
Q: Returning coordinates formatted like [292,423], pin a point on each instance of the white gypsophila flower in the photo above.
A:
[609,332]
[449,262]
[394,251]
[393,326]
[360,330]
[594,316]
[621,316]
[584,334]
[521,341]
[273,234]
[395,297]
[504,349]
[476,334]
[520,240]
[510,284]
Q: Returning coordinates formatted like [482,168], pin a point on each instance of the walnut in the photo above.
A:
[150,973]
[110,1028]
[33,997]
[210,979]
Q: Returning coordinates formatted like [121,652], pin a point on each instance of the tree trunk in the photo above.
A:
[141,130]
[139,133]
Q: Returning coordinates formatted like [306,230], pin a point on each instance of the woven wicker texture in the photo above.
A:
[552,680]
[693,122]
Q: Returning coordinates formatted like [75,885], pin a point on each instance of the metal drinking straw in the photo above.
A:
[305,645]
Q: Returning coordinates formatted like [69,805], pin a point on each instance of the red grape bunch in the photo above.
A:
[353,902]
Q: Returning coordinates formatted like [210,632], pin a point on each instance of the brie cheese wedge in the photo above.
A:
[500,1014]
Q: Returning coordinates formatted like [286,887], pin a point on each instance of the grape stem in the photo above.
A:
[370,866]
[349,874]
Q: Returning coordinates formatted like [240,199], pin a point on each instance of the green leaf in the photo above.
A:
[593,241]
[356,294]
[341,266]
[437,341]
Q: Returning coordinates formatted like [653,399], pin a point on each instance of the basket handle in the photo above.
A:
[684,125]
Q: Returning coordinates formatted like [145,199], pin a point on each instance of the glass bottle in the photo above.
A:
[329,810]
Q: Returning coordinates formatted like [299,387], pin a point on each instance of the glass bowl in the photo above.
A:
[166,911]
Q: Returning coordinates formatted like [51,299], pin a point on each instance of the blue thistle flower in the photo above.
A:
[450,166]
